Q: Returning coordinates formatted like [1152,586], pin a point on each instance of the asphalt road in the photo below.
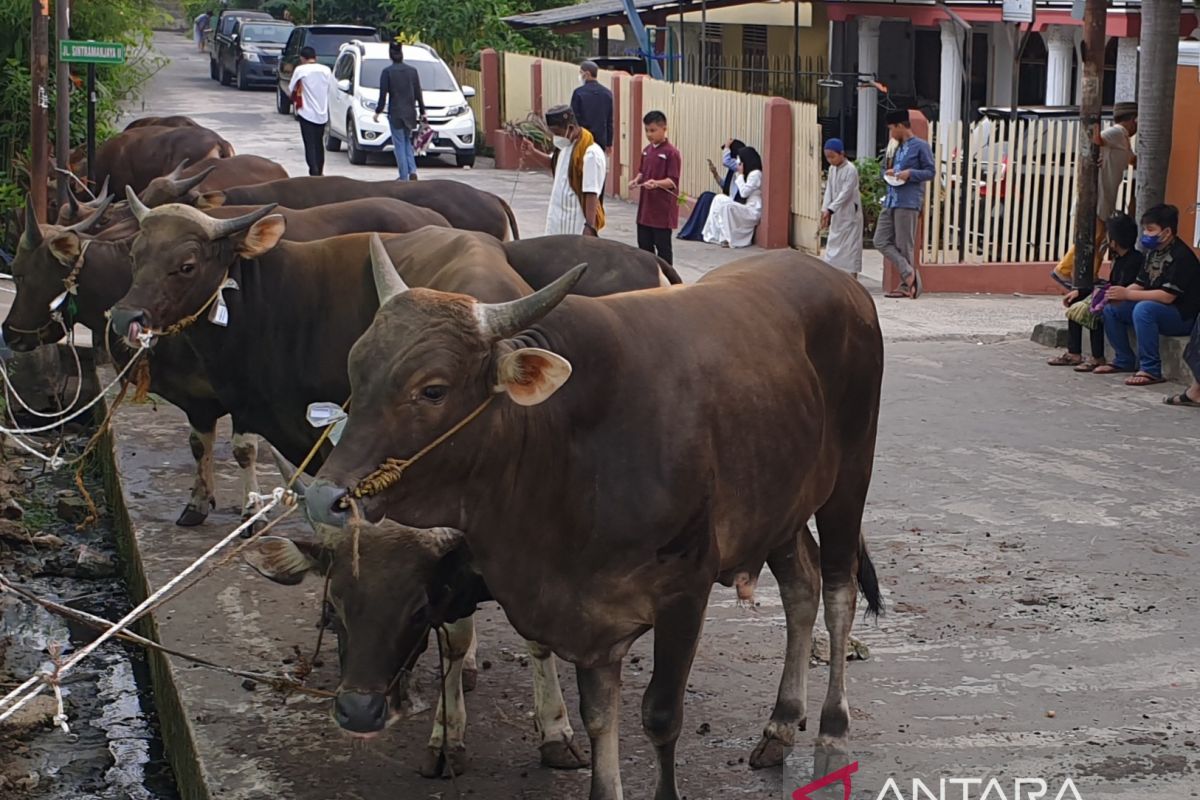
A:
[1034,531]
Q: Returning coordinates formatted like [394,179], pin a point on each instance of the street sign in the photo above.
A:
[91,52]
[1017,11]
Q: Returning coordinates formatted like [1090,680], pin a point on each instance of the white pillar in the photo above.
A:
[868,99]
[950,95]
[1000,48]
[1060,50]
[1127,70]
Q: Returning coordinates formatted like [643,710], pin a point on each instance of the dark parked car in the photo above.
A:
[327,40]
[251,54]
[223,23]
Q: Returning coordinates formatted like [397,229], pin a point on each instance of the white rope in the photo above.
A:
[31,688]
[10,391]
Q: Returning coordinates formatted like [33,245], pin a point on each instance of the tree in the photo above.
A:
[460,29]
[1159,54]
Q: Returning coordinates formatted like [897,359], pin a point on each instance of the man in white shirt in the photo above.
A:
[309,89]
[578,165]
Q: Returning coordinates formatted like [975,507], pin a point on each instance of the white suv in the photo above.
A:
[355,93]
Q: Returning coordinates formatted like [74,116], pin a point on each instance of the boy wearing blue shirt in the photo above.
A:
[896,230]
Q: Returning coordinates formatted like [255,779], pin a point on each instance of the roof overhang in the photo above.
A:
[602,13]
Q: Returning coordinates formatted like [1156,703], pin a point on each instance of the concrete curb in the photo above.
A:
[1053,333]
[178,736]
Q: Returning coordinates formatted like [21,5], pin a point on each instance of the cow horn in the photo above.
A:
[388,282]
[175,173]
[139,209]
[33,233]
[290,473]
[84,225]
[220,228]
[181,186]
[501,320]
[103,189]
[72,203]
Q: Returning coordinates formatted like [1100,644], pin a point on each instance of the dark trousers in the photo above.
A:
[314,148]
[1075,339]
[656,240]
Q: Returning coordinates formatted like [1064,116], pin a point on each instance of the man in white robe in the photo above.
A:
[841,210]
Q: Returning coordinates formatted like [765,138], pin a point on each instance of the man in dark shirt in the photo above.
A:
[658,179]
[592,103]
[1164,300]
[400,86]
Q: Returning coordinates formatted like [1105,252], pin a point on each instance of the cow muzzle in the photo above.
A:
[362,713]
[324,501]
[129,323]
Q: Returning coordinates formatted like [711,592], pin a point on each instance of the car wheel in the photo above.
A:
[465,159]
[212,69]
[282,103]
[332,143]
[242,83]
[356,156]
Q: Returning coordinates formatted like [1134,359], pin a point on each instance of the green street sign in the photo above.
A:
[91,52]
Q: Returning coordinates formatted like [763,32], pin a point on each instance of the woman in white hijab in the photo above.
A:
[841,210]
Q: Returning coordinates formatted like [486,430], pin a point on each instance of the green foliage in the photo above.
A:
[871,189]
[127,21]
[460,29]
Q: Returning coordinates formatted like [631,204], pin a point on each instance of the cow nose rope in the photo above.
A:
[190,318]
[392,470]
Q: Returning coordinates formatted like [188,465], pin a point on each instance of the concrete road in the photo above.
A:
[1034,531]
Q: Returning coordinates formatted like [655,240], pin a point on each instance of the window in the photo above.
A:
[265,34]
[293,44]
[712,42]
[754,59]
[433,74]
[327,44]
[344,71]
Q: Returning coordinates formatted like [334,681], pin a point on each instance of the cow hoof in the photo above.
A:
[562,755]
[434,764]
[252,529]
[770,752]
[191,517]
[470,679]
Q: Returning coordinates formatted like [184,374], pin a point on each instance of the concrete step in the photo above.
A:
[1053,333]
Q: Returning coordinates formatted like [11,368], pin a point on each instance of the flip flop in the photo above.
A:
[1066,360]
[1144,379]
[1088,366]
[901,292]
[1180,399]
[1108,369]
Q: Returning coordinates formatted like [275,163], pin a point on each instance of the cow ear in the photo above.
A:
[211,200]
[530,375]
[285,561]
[65,247]
[262,236]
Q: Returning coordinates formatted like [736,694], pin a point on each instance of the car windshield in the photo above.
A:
[433,74]
[266,34]
[327,44]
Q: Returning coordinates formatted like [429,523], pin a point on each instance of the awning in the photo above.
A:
[599,13]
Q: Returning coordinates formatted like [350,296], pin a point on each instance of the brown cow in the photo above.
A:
[174,121]
[609,459]
[135,157]
[188,181]
[466,207]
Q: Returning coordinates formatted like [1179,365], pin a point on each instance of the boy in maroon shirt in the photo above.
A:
[658,178]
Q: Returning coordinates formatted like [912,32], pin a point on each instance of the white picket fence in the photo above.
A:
[1019,202]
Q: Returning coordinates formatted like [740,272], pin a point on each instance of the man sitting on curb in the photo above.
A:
[1191,396]
[1163,301]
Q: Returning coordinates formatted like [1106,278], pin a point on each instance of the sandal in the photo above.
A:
[1066,360]
[903,291]
[1144,379]
[1180,399]
[1108,369]
[1091,365]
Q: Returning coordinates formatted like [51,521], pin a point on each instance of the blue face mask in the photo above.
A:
[728,159]
[1151,241]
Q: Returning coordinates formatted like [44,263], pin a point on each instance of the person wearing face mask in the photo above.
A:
[732,220]
[1163,301]
[578,165]
[693,229]
[592,104]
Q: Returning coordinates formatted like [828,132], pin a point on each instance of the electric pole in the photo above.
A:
[1090,95]
[62,99]
[39,102]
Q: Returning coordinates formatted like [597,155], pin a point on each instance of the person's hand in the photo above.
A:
[1117,293]
[890,172]
[728,143]
[826,217]
[740,171]
[904,174]
[527,147]
[1071,297]
[713,169]
[633,184]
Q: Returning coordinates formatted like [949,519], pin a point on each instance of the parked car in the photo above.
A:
[327,40]
[355,94]
[251,54]
[219,28]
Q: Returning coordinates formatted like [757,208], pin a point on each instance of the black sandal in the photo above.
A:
[1180,399]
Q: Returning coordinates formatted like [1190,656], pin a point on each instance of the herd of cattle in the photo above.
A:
[551,423]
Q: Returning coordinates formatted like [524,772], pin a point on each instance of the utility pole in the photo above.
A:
[1090,95]
[62,98]
[39,102]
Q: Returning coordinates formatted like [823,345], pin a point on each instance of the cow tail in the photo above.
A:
[868,583]
[512,219]
[669,272]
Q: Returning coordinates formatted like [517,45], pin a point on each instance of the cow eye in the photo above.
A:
[188,268]
[434,393]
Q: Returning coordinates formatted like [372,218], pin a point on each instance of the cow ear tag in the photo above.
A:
[219,313]
[530,375]
[322,415]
